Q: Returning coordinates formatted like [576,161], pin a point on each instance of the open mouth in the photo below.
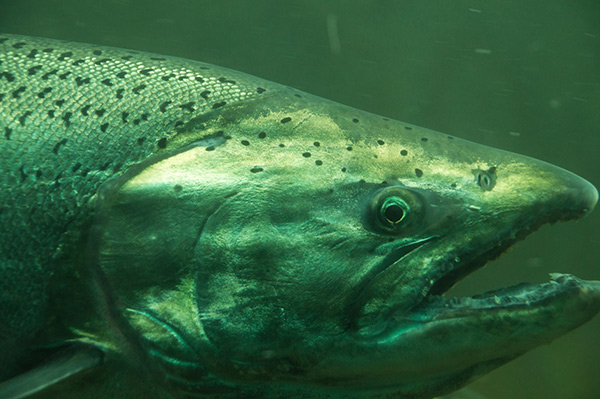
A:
[521,294]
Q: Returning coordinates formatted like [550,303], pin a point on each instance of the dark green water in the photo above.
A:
[519,75]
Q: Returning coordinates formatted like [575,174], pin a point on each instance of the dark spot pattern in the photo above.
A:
[7,132]
[78,62]
[85,109]
[404,153]
[262,135]
[121,75]
[318,162]
[256,169]
[138,89]
[188,107]
[102,61]
[355,120]
[205,94]
[306,154]
[120,93]
[76,167]
[82,81]
[349,148]
[162,143]
[344,170]
[33,70]
[210,148]
[380,142]
[100,112]
[9,77]
[58,145]
[418,172]
[424,139]
[407,128]
[103,127]
[163,106]
[146,72]
[23,117]
[177,188]
[141,140]
[32,53]
[219,104]
[59,103]
[64,56]
[286,119]
[19,45]
[97,52]
[316,144]
[17,93]
[63,76]
[51,113]
[260,90]
[107,82]
[67,118]
[245,142]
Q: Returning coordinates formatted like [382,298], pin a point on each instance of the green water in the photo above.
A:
[518,75]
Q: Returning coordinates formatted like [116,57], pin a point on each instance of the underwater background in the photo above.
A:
[523,76]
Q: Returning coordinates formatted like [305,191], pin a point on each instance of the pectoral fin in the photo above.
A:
[66,363]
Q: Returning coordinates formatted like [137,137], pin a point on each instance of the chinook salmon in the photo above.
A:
[176,229]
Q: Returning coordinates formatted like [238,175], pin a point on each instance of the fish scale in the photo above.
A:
[72,116]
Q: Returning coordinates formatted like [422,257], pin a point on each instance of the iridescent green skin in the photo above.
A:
[278,245]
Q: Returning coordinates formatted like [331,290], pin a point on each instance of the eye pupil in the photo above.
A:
[394,213]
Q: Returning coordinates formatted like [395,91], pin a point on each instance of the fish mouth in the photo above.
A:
[435,305]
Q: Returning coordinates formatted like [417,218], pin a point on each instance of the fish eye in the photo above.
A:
[395,209]
[486,179]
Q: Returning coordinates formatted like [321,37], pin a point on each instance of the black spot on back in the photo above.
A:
[63,76]
[7,76]
[19,45]
[418,172]
[138,89]
[162,143]
[67,118]
[17,93]
[64,56]
[316,144]
[205,94]
[7,132]
[120,93]
[306,154]
[260,90]
[424,139]
[85,109]
[81,81]
[355,120]
[34,69]
[32,53]
[286,119]
[256,169]
[380,142]
[23,117]
[42,94]
[404,152]
[163,106]
[103,127]
[245,142]
[219,104]
[262,135]
[188,106]
[58,145]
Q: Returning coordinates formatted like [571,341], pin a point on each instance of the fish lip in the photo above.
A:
[512,298]
[446,279]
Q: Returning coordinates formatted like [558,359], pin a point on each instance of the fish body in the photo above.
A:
[172,229]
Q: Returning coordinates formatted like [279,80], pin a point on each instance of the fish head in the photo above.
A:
[306,248]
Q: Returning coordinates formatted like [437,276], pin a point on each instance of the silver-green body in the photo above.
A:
[188,230]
